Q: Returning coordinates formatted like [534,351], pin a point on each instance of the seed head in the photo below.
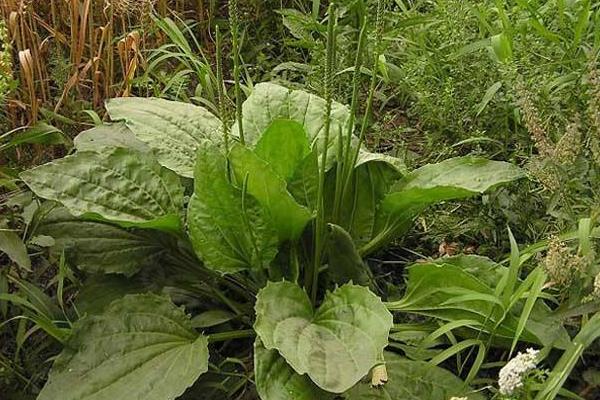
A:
[131,7]
[596,292]
[531,117]
[556,260]
[545,172]
[568,147]
[593,109]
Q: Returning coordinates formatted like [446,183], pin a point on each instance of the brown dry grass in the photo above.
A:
[101,41]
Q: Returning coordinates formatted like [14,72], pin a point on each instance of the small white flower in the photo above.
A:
[459,398]
[511,375]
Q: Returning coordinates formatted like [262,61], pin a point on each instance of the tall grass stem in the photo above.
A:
[312,276]
[234,23]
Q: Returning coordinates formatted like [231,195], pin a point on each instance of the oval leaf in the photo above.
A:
[108,136]
[453,179]
[270,190]
[269,102]
[369,184]
[284,145]
[345,264]
[453,291]
[276,380]
[212,318]
[95,246]
[414,380]
[336,345]
[12,245]
[122,186]
[141,348]
[173,129]
[228,233]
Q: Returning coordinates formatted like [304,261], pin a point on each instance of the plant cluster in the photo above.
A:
[251,210]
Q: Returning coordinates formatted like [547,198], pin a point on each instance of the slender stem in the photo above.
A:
[316,6]
[234,14]
[225,300]
[8,364]
[224,336]
[312,278]
[221,90]
[378,50]
[294,260]
[345,167]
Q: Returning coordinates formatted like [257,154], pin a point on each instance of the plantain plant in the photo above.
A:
[267,234]
[120,205]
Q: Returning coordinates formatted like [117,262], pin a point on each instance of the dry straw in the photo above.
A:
[101,42]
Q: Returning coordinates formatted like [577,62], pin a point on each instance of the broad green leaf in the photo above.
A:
[141,348]
[431,285]
[173,129]
[484,269]
[212,318]
[40,133]
[502,47]
[453,179]
[228,232]
[304,185]
[270,190]
[414,380]
[448,292]
[366,157]
[42,241]
[345,264]
[541,322]
[370,182]
[12,245]
[276,380]
[335,345]
[487,97]
[99,291]
[269,102]
[95,246]
[284,145]
[122,186]
[107,136]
